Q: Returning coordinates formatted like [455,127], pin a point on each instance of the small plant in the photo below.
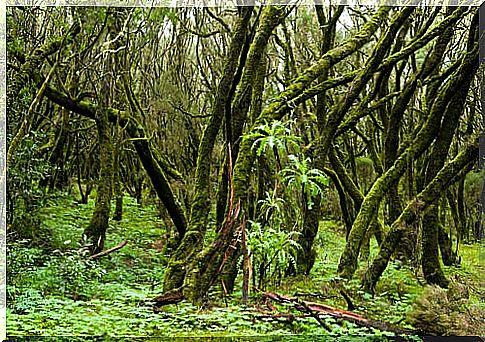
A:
[271,250]
[72,273]
[299,176]
[275,135]
[272,208]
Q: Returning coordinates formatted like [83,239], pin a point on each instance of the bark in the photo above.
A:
[95,232]
[118,192]
[348,260]
[210,262]
[342,199]
[463,231]
[306,255]
[143,148]
[445,177]
[430,261]
[56,156]
[193,240]
[316,309]
[446,248]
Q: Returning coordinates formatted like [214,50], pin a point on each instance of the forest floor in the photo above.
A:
[59,293]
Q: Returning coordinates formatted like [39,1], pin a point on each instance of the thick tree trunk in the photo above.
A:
[192,243]
[430,259]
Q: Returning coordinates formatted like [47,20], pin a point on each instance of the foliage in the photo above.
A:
[113,304]
[298,175]
[271,250]
[271,209]
[25,197]
[275,136]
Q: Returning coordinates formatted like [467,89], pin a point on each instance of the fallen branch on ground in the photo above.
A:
[316,309]
[108,251]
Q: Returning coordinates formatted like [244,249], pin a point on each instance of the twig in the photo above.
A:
[314,315]
[108,251]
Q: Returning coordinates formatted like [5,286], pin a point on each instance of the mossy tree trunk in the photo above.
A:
[209,262]
[192,243]
[311,217]
[117,183]
[444,178]
[431,225]
[95,232]
[424,138]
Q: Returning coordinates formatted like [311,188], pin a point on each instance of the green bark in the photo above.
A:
[193,241]
[209,263]
[425,136]
[447,255]
[359,83]
[95,232]
[430,261]
[445,177]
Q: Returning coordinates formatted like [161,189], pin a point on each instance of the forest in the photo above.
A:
[244,172]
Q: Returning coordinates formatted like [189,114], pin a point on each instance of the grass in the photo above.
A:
[59,293]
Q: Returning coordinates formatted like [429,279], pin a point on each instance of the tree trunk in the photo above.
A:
[430,259]
[446,248]
[445,177]
[348,260]
[209,262]
[95,233]
[193,241]
[118,192]
[306,255]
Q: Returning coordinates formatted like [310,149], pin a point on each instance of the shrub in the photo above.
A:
[446,312]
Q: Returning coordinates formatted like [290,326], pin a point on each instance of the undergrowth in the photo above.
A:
[59,292]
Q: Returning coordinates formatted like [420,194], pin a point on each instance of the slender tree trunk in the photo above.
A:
[95,232]
[118,214]
[348,260]
[445,177]
[446,247]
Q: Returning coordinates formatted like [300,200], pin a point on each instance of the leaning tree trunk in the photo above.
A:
[445,177]
[348,260]
[430,261]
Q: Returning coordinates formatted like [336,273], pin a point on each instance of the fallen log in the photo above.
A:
[316,309]
[108,251]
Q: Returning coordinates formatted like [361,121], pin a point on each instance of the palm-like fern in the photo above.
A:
[276,137]
[272,250]
[300,176]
